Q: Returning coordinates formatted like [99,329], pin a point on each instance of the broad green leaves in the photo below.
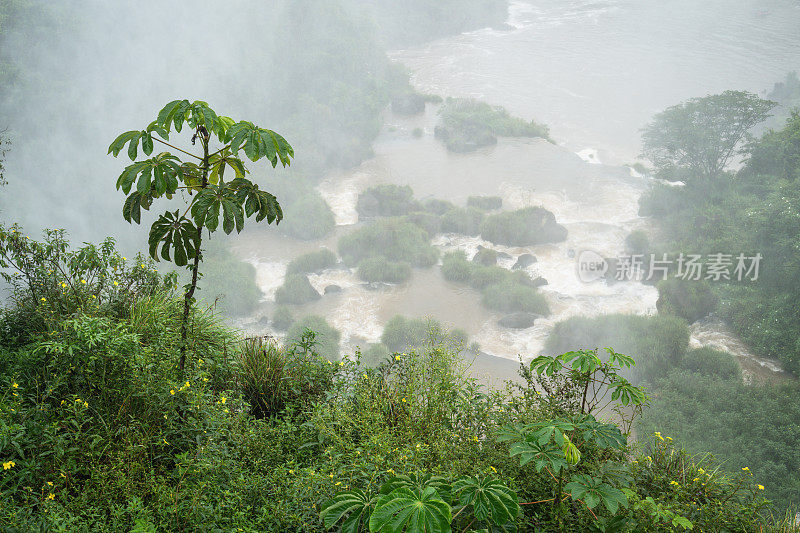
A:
[355,505]
[207,206]
[593,491]
[177,237]
[202,179]
[422,503]
[490,499]
[404,509]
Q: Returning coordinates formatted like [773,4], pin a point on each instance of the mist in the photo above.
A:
[477,175]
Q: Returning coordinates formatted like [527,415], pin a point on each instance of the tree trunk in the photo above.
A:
[187,298]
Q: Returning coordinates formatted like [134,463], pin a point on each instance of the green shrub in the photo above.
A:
[432,224]
[483,276]
[325,340]
[524,227]
[658,343]
[485,203]
[468,124]
[741,425]
[691,300]
[436,206]
[230,279]
[466,221]
[282,318]
[714,363]
[510,297]
[386,201]
[312,262]
[308,218]
[392,238]
[485,257]
[297,290]
[381,269]
[662,200]
[455,267]
[272,377]
[637,242]
[402,334]
[375,354]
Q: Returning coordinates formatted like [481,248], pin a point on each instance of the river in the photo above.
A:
[595,72]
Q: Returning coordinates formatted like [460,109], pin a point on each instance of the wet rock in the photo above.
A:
[518,320]
[524,261]
[503,255]
[331,289]
[485,256]
[264,321]
[538,281]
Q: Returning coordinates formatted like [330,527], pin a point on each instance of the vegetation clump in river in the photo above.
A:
[468,124]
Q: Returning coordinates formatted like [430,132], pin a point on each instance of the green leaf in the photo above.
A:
[175,234]
[490,499]
[354,506]
[592,491]
[147,143]
[412,511]
[116,146]
[133,146]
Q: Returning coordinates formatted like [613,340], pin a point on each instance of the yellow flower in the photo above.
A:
[187,384]
[172,392]
[701,470]
[15,385]
[222,399]
[674,483]
[141,265]
[475,438]
[493,469]
[63,285]
[390,471]
[404,400]
[86,404]
[165,441]
[51,496]
[337,483]
[761,487]
[124,258]
[44,299]
[9,465]
[341,363]
[649,458]
[115,283]
[365,376]
[49,483]
[658,434]
[330,476]
[83,281]
[696,479]
[396,357]
[200,361]
[746,469]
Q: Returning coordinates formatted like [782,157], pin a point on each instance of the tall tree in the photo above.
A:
[200,180]
[697,138]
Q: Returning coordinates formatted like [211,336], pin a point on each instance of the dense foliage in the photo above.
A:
[501,289]
[523,227]
[699,398]
[468,124]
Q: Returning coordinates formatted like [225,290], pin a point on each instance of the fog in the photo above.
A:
[376,94]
